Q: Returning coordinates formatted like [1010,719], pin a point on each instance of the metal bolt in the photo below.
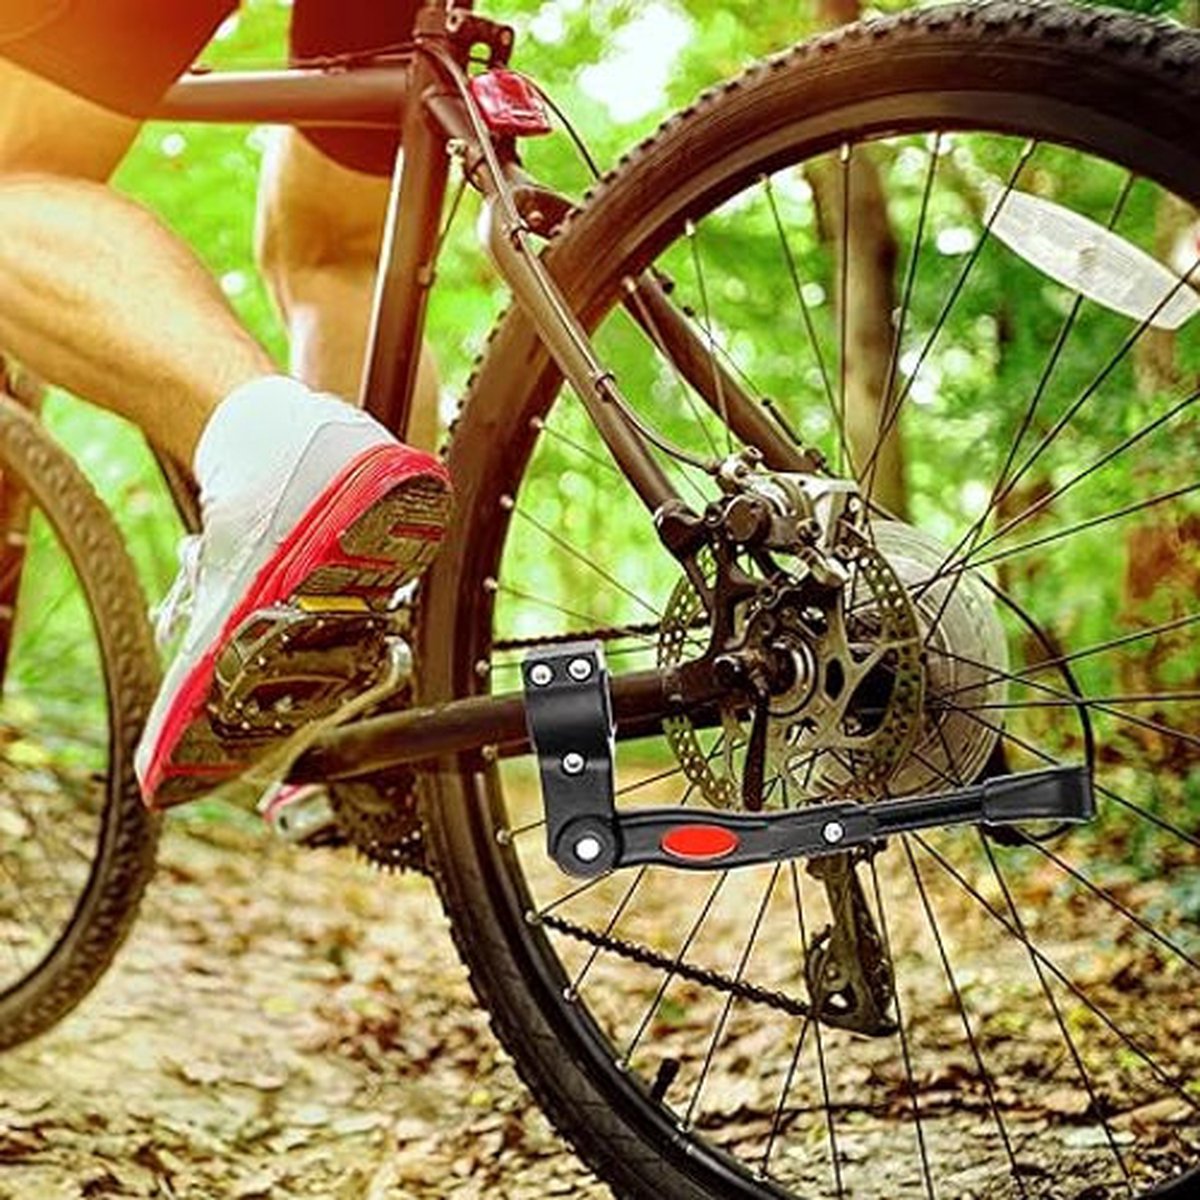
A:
[540,674]
[833,832]
[579,669]
[588,848]
[573,762]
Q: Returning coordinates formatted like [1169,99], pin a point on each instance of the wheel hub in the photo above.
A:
[965,661]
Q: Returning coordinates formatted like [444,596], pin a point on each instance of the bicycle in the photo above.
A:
[903,735]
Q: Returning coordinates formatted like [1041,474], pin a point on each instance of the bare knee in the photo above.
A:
[314,217]
[47,130]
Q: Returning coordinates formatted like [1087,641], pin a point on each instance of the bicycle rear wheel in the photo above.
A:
[79,673]
[1042,1036]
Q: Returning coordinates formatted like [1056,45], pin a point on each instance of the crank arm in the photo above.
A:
[678,837]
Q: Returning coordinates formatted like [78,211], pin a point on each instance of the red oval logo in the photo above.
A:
[699,842]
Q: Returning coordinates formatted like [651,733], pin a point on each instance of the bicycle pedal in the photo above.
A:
[292,664]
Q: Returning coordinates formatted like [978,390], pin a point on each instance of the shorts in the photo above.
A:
[124,54]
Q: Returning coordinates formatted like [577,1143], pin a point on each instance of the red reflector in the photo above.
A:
[510,104]
[699,841]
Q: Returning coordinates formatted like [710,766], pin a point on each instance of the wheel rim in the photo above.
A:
[1090,1133]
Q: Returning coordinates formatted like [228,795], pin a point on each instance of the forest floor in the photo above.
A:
[281,1024]
[292,1023]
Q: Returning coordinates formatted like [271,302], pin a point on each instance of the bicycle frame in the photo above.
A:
[427,93]
[442,125]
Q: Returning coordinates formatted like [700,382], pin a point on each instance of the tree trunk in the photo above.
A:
[870,296]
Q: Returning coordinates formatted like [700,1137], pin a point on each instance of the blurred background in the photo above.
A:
[616,67]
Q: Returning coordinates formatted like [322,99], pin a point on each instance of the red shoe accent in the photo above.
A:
[312,544]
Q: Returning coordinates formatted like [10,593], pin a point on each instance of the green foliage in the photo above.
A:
[618,68]
[1154,8]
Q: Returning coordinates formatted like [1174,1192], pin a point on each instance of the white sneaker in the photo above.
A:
[358,514]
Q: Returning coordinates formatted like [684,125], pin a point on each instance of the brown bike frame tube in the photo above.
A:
[364,97]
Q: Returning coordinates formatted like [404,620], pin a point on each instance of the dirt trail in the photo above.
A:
[282,1024]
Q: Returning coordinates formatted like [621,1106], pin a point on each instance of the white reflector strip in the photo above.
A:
[1076,252]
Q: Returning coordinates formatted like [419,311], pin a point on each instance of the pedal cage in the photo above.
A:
[291,664]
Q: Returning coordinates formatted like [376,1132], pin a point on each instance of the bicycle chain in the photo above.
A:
[646,957]
[610,633]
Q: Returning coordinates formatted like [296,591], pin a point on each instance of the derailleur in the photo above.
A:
[847,968]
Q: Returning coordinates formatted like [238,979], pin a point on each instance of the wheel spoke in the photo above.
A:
[846,163]
[1027,152]
[884,419]
[599,460]
[709,336]
[1043,502]
[1095,1103]
[956,993]
[806,318]
[970,538]
[1038,753]
[495,585]
[905,1052]
[685,945]
[1043,959]
[589,564]
[656,337]
[724,1017]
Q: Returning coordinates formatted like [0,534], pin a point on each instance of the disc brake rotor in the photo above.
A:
[856,721]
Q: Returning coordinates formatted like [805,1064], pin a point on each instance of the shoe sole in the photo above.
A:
[374,528]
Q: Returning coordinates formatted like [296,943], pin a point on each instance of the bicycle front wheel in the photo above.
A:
[77,675]
[866,236]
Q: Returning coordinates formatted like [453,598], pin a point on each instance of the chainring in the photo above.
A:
[381,821]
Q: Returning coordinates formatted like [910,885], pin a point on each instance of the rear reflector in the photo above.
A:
[510,104]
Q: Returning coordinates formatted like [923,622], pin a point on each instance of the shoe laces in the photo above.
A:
[176,606]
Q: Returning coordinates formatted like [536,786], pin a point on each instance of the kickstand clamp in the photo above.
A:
[568,709]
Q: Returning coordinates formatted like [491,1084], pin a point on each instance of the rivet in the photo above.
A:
[579,669]
[573,762]
[541,674]
[833,832]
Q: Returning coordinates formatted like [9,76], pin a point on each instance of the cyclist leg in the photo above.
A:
[144,319]
[300,492]
[317,241]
